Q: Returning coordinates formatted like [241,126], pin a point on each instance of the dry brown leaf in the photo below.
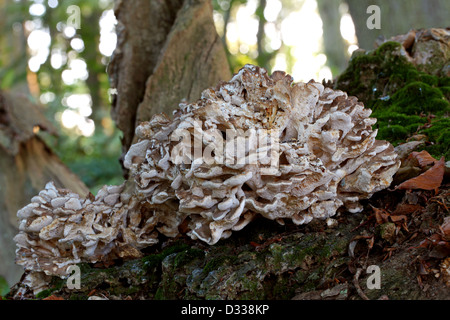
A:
[381,215]
[429,180]
[370,242]
[423,158]
[53,297]
[398,218]
[406,208]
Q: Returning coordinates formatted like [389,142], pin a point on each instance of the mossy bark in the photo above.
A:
[406,101]
[285,260]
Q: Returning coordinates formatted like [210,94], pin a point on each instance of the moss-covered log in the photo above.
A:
[410,100]
[270,261]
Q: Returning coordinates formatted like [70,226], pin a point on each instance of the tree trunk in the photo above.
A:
[92,56]
[168,51]
[397,17]
[26,165]
[142,27]
[334,45]
[13,49]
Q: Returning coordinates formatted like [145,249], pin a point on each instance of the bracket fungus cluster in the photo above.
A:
[256,145]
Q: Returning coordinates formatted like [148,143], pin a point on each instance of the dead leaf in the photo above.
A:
[381,216]
[406,209]
[424,268]
[53,297]
[423,158]
[370,242]
[419,280]
[429,180]
[445,228]
[440,251]
[435,238]
[389,252]
[398,218]
[254,244]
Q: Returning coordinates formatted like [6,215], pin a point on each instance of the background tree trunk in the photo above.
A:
[142,27]
[167,52]
[397,17]
[334,45]
[13,51]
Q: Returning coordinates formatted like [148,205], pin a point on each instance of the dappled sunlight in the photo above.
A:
[74,68]
[76,117]
[108,37]
[295,36]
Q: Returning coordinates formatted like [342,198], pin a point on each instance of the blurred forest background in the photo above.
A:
[57,53]
[64,68]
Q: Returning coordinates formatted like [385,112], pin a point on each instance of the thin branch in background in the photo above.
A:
[333,43]
[260,36]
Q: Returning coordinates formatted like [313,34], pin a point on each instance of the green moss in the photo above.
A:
[405,100]
[56,284]
[428,79]
[44,293]
[159,295]
[187,256]
[152,261]
[176,265]
[444,82]
[396,127]
[4,287]
[369,73]
[313,279]
[282,289]
[440,133]
[217,262]
[446,92]
[419,97]
[76,296]
[394,133]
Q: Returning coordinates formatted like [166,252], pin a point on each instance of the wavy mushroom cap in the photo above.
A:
[260,145]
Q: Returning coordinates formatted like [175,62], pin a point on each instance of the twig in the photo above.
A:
[356,284]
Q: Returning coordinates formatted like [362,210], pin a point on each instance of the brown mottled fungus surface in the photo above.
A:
[305,151]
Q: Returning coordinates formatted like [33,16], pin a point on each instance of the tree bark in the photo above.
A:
[334,45]
[13,52]
[142,27]
[92,56]
[168,51]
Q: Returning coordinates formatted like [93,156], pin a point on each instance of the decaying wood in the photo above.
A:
[26,165]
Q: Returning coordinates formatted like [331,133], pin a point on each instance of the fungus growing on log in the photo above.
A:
[256,145]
